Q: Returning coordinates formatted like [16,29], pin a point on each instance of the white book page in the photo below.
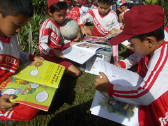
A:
[119,75]
[108,108]
[93,64]
[80,52]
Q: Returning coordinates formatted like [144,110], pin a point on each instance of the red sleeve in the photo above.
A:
[66,46]
[122,64]
[51,51]
[110,91]
[31,57]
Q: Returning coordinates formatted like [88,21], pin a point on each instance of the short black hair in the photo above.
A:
[58,6]
[158,34]
[106,1]
[16,7]
[125,4]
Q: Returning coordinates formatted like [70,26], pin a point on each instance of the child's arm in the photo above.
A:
[84,19]
[28,57]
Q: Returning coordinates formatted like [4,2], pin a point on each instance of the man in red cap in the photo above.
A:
[76,12]
[145,31]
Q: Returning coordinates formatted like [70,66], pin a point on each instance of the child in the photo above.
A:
[76,12]
[124,8]
[85,6]
[50,40]
[69,3]
[105,21]
[145,31]
[12,18]
[94,4]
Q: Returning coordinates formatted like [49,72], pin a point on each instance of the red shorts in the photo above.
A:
[59,61]
[19,113]
[93,33]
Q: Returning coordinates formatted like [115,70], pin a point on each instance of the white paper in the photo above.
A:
[126,42]
[80,52]
[104,106]
[120,76]
[93,64]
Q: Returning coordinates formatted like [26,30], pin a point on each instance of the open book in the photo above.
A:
[81,52]
[100,39]
[109,108]
[34,84]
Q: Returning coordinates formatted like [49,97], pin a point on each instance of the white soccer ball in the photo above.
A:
[69,28]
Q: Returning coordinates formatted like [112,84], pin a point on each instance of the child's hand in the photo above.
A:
[58,54]
[83,31]
[102,83]
[77,38]
[38,58]
[117,64]
[113,31]
[5,104]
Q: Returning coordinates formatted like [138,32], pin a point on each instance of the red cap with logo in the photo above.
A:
[140,20]
[51,2]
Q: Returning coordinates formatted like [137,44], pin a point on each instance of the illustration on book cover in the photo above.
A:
[113,106]
[27,88]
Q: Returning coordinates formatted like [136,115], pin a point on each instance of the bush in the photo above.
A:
[28,37]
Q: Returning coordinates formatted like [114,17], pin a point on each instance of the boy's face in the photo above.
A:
[103,8]
[11,26]
[139,47]
[123,8]
[58,16]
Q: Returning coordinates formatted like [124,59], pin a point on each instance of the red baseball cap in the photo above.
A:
[51,2]
[79,2]
[140,20]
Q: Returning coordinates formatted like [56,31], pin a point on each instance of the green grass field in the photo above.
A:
[71,104]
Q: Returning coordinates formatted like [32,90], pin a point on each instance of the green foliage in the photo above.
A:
[150,2]
[28,37]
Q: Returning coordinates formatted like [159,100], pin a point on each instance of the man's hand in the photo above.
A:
[58,54]
[5,104]
[102,83]
[38,58]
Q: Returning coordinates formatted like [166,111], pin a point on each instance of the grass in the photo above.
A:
[72,102]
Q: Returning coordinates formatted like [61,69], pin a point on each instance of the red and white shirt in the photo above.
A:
[152,93]
[75,13]
[11,57]
[50,38]
[102,24]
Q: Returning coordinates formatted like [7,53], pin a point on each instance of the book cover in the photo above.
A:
[34,84]
[100,39]
[41,72]
[108,108]
[28,93]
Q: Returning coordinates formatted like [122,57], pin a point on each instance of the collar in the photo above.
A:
[54,23]
[102,16]
[5,40]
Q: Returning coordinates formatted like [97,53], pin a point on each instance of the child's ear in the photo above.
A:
[49,12]
[151,41]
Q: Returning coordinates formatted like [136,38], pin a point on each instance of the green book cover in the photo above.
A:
[41,72]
